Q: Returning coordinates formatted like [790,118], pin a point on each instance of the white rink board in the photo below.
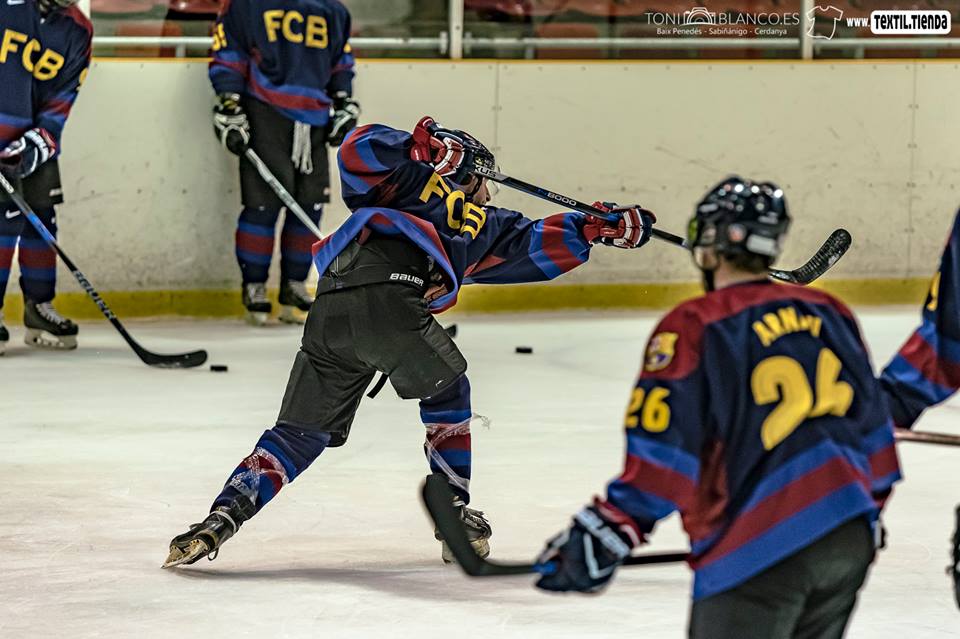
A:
[107,459]
[153,200]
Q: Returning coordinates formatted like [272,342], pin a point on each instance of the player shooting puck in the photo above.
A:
[218,368]
[525,350]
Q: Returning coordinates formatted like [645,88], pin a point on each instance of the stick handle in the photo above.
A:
[282,193]
[924,437]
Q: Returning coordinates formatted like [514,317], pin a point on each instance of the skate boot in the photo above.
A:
[46,328]
[206,537]
[4,335]
[294,302]
[256,302]
[478,532]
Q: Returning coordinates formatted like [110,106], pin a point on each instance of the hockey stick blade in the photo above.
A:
[828,255]
[438,499]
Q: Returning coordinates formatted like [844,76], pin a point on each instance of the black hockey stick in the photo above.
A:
[438,498]
[282,193]
[831,251]
[183,360]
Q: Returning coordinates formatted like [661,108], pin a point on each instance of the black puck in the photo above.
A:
[218,368]
[526,350]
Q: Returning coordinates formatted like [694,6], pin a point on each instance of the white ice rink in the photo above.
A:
[105,460]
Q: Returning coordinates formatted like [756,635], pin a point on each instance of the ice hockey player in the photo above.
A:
[44,55]
[278,72]
[420,229]
[757,416]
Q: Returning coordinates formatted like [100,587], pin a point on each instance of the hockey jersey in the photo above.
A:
[926,370]
[43,62]
[757,416]
[390,193]
[294,55]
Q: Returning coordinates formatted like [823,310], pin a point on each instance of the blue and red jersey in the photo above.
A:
[294,55]
[390,193]
[757,416]
[43,62]
[926,370]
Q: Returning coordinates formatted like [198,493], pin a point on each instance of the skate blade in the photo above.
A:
[257,319]
[179,556]
[292,315]
[41,339]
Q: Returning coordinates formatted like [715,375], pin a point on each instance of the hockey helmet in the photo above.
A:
[739,217]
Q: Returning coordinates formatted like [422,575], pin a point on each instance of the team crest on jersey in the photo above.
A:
[660,351]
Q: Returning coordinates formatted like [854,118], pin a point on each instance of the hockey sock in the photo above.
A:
[38,262]
[281,454]
[254,243]
[926,370]
[447,446]
[296,243]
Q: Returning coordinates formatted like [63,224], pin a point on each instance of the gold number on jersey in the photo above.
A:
[653,414]
[782,379]
[934,293]
[219,37]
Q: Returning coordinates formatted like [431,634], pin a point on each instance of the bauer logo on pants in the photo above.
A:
[660,352]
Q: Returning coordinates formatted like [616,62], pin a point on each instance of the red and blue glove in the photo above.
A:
[632,229]
[585,556]
[24,155]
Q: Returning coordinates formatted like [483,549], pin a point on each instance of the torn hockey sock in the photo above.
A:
[281,454]
[447,447]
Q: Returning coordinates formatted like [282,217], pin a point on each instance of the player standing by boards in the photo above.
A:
[279,68]
[44,55]
[420,229]
[756,416]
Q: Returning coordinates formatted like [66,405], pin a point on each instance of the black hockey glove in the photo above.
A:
[346,113]
[230,123]
[585,555]
[24,155]
[955,569]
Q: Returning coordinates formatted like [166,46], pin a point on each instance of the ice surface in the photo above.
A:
[105,460]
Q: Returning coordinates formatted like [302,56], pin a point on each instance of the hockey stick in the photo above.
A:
[183,360]
[438,499]
[925,437]
[828,254]
[281,192]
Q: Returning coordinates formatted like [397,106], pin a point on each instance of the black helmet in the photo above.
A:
[738,217]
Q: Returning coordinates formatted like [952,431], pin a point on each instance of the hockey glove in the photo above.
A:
[346,112]
[632,230]
[452,153]
[23,156]
[586,555]
[230,123]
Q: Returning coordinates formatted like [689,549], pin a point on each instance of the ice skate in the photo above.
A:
[206,537]
[256,302]
[4,335]
[294,302]
[46,328]
[477,528]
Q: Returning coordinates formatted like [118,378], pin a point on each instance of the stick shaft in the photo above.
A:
[282,193]
[924,437]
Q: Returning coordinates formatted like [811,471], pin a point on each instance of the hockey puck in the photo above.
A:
[525,350]
[218,368]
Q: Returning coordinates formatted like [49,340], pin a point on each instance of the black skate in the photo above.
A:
[256,302]
[206,537]
[4,335]
[46,328]
[294,302]
[477,528]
